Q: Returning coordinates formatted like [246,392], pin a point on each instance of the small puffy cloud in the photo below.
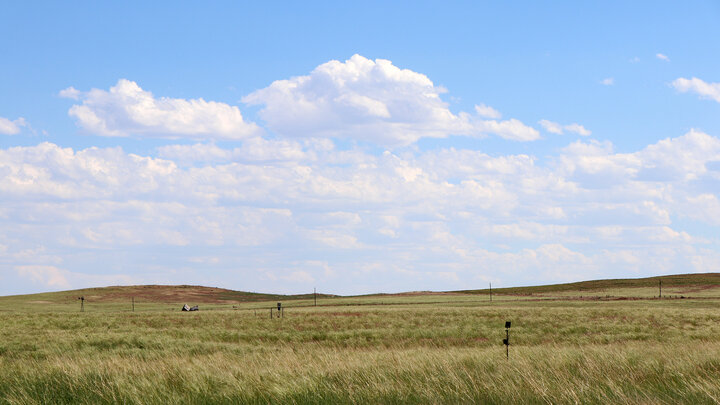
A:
[70,92]
[372,101]
[511,129]
[578,129]
[698,86]
[555,128]
[609,81]
[127,110]
[552,127]
[487,112]
[8,127]
[635,60]
[662,57]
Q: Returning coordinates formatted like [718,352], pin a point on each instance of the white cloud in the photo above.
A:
[555,128]
[406,215]
[609,81]
[704,207]
[128,110]
[334,239]
[70,92]
[662,57]
[55,278]
[511,129]
[8,127]
[47,276]
[698,86]
[371,101]
[199,152]
[578,129]
[487,112]
[254,149]
[552,127]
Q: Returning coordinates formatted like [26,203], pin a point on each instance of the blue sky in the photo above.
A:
[383,147]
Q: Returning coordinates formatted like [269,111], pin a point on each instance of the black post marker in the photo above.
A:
[506,341]
[82,304]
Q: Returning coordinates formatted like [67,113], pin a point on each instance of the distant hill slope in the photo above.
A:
[703,280]
[158,294]
[211,295]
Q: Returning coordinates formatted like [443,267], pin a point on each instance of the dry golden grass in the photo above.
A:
[407,350]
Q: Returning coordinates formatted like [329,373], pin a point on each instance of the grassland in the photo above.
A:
[406,348]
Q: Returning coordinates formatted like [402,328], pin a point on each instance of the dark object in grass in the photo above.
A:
[506,341]
[187,308]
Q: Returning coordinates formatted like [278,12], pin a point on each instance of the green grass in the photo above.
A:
[437,348]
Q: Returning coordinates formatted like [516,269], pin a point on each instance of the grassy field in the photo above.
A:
[624,347]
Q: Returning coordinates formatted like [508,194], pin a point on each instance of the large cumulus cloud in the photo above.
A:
[373,101]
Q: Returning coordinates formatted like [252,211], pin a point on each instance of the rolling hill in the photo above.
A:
[686,284]
[689,282]
[156,294]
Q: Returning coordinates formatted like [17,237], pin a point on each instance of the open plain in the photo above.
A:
[596,342]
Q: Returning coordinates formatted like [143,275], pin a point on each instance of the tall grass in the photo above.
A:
[593,374]
[609,352]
